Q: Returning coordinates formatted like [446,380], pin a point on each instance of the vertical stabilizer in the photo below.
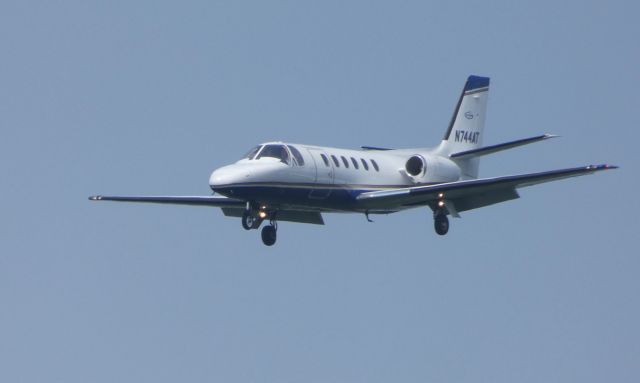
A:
[466,128]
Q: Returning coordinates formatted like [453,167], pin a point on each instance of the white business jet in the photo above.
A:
[278,181]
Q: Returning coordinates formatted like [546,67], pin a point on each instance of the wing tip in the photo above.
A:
[602,167]
[95,198]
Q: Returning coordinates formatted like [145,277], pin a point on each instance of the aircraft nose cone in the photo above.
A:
[226,176]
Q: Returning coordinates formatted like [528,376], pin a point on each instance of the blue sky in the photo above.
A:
[148,97]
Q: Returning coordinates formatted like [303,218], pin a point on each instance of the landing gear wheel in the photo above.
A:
[269,235]
[441,224]
[249,221]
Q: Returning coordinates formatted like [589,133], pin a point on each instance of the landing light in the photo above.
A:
[263,214]
[440,203]
[440,195]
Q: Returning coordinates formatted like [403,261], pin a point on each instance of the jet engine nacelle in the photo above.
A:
[426,168]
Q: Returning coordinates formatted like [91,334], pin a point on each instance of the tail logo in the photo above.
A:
[468,115]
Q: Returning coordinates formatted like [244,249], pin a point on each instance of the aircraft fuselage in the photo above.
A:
[326,179]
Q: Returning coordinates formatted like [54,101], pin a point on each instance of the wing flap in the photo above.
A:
[485,199]
[298,216]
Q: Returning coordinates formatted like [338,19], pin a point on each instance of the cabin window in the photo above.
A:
[252,153]
[375,165]
[364,163]
[354,162]
[275,151]
[335,161]
[297,155]
[325,159]
[345,162]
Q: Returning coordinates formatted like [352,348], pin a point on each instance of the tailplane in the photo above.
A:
[466,128]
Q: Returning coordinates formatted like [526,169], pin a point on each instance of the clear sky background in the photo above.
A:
[148,97]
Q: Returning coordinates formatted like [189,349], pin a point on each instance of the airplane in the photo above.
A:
[278,181]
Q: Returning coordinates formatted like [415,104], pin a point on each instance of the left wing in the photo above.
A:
[176,200]
[469,194]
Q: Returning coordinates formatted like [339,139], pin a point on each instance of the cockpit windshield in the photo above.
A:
[252,153]
[275,151]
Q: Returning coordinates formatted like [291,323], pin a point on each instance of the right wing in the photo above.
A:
[468,194]
[176,200]
[230,207]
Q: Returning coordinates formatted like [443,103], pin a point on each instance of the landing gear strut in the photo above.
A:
[441,223]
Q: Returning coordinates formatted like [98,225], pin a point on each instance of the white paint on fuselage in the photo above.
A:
[390,174]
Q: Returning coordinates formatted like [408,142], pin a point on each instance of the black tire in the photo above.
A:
[249,221]
[269,235]
[441,224]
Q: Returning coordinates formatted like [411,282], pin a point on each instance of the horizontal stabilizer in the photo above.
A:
[482,151]
[374,148]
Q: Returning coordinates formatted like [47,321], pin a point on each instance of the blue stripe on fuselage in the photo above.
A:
[324,197]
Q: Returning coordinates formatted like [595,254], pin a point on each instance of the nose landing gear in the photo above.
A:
[252,219]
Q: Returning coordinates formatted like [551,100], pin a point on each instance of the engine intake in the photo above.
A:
[425,168]
[416,166]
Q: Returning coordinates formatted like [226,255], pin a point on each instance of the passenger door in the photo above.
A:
[325,174]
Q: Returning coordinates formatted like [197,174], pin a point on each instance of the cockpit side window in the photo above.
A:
[252,153]
[275,151]
[297,155]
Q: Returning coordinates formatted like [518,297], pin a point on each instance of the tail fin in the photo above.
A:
[466,128]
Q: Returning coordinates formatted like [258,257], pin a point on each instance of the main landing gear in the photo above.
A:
[441,223]
[252,219]
[440,211]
